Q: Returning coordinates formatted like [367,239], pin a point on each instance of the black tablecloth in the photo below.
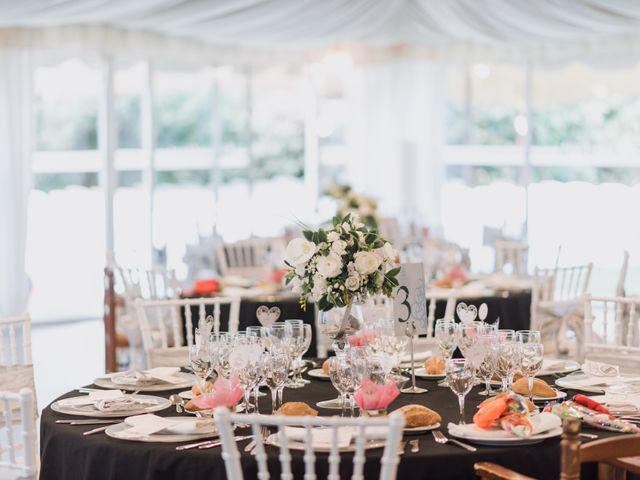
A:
[67,454]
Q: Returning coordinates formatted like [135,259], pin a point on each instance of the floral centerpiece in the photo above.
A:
[336,267]
[361,207]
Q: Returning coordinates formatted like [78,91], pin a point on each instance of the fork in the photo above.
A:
[264,433]
[439,437]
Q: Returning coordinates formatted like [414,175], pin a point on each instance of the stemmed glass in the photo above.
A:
[201,359]
[487,366]
[337,380]
[330,323]
[221,345]
[507,361]
[304,346]
[296,345]
[531,355]
[445,334]
[246,362]
[528,336]
[276,372]
[460,376]
[278,337]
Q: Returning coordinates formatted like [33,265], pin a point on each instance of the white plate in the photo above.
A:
[189,379]
[318,373]
[421,373]
[92,411]
[421,429]
[508,441]
[569,382]
[559,366]
[274,441]
[114,431]
[559,396]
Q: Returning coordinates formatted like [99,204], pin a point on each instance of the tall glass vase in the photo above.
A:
[339,323]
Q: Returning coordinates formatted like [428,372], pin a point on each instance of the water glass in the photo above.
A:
[201,359]
[506,335]
[528,336]
[276,373]
[460,377]
[445,335]
[531,355]
[507,361]
[278,337]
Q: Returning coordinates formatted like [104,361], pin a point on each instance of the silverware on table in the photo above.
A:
[439,437]
[209,443]
[96,430]
[88,422]
[591,436]
[415,445]
[178,401]
[250,445]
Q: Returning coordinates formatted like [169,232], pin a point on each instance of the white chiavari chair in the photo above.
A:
[162,327]
[612,330]
[433,296]
[557,300]
[18,445]
[388,462]
[16,366]
[247,258]
[511,257]
[622,276]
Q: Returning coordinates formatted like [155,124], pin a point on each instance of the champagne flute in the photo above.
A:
[445,334]
[295,346]
[336,381]
[531,355]
[487,366]
[507,358]
[460,376]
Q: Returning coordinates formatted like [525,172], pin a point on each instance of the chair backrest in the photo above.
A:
[246,258]
[622,276]
[560,284]
[513,254]
[432,297]
[18,433]
[15,341]
[162,327]
[611,327]
[153,284]
[388,462]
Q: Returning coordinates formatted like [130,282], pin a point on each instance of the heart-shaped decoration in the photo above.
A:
[483,311]
[267,316]
[466,313]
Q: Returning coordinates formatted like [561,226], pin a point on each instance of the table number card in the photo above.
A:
[410,301]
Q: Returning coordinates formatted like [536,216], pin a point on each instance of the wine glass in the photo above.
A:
[506,335]
[528,336]
[445,334]
[460,377]
[531,355]
[276,372]
[296,345]
[201,359]
[246,363]
[278,337]
[507,361]
[488,364]
[306,343]
[336,380]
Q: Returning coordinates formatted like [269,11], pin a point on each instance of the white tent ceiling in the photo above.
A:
[295,24]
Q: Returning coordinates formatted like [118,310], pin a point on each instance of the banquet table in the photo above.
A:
[66,453]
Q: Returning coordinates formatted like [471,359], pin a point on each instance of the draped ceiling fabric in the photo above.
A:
[542,28]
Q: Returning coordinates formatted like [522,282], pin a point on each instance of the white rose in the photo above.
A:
[330,265]
[367,262]
[352,283]
[339,247]
[386,252]
[333,236]
[299,251]
[300,270]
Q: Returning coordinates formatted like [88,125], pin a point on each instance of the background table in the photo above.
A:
[66,453]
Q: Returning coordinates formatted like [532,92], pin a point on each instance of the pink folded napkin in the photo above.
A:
[372,396]
[225,393]
[361,339]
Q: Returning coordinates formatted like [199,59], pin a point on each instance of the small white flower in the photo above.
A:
[367,262]
[322,246]
[351,268]
[352,282]
[299,251]
[361,237]
[339,247]
[333,236]
[330,265]
[346,227]
[300,269]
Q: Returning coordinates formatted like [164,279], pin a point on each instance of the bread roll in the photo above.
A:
[434,366]
[325,366]
[197,390]
[540,388]
[297,409]
[419,416]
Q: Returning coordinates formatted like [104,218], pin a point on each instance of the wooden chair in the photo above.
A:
[161,326]
[513,254]
[18,449]
[557,300]
[606,452]
[16,366]
[612,330]
[247,258]
[388,463]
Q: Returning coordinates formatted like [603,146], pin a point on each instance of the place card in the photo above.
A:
[410,302]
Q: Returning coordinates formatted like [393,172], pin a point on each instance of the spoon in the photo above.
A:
[178,401]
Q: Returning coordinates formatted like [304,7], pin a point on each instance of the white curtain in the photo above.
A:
[395,142]
[15,176]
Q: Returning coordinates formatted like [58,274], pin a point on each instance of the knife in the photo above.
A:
[207,442]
